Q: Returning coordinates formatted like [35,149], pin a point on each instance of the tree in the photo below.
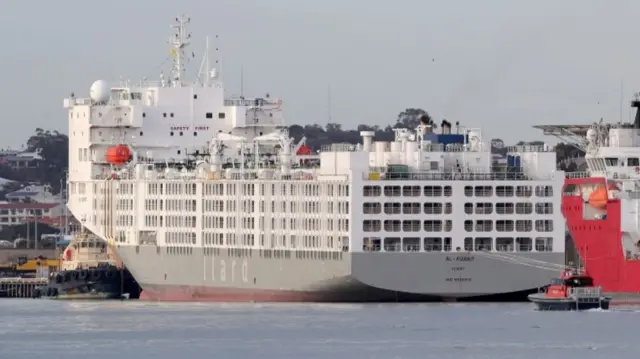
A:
[411,118]
[53,147]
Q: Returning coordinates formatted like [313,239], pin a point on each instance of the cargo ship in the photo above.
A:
[206,198]
[601,205]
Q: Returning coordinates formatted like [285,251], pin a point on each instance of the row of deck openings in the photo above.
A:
[447,208]
[447,191]
[439,244]
[415,225]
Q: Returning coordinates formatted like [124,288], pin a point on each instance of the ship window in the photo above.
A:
[144,114]
[611,161]
[195,134]
[171,133]
[195,96]
[579,282]
[180,133]
[221,115]
[634,161]
[141,133]
[209,115]
[164,114]
[171,114]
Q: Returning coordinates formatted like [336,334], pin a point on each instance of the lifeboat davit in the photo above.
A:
[118,155]
[598,198]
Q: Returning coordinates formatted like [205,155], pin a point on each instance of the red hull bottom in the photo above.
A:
[357,293]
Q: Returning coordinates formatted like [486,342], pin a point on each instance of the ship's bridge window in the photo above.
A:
[136,96]
[579,282]
[633,161]
[610,161]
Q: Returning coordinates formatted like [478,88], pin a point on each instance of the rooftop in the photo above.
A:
[28,205]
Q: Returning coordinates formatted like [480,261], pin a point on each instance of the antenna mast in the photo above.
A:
[328,104]
[179,41]
[241,80]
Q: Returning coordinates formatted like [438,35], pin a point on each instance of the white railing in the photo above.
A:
[529,148]
[577,174]
[414,175]
[585,292]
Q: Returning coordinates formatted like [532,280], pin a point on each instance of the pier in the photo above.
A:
[20,287]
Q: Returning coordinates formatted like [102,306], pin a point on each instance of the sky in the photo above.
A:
[498,65]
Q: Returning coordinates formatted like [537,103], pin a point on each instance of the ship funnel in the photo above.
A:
[635,103]
[446,127]
[367,139]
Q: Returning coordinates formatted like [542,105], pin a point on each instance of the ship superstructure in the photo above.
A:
[422,217]
[601,204]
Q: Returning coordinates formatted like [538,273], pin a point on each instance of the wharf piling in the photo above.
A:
[20,287]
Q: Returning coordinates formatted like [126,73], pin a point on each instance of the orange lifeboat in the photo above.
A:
[598,198]
[118,155]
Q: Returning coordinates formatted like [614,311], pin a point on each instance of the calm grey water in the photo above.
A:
[55,329]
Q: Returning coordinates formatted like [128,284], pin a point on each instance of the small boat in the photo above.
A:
[574,290]
[89,269]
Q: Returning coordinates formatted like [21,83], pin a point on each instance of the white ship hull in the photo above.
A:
[221,275]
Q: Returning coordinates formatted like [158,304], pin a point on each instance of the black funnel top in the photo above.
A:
[636,103]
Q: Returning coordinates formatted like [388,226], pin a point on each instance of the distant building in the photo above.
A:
[19,159]
[33,193]
[18,213]
[51,214]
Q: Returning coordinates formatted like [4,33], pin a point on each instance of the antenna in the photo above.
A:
[179,41]
[241,80]
[205,76]
[328,104]
[621,97]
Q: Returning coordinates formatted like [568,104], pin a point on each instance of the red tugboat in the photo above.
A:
[574,290]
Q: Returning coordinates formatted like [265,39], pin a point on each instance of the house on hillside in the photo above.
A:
[33,193]
[20,159]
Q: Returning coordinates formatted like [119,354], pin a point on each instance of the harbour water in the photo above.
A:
[56,329]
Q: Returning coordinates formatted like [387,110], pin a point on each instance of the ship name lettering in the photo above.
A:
[458,279]
[179,128]
[460,258]
[245,271]
[221,268]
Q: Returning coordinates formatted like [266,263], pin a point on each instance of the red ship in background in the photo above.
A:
[602,206]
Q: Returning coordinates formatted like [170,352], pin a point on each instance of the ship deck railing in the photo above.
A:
[585,294]
[382,174]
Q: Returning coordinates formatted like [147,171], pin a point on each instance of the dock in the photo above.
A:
[20,287]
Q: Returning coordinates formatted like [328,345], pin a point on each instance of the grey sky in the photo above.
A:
[497,64]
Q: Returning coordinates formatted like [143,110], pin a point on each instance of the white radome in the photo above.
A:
[100,91]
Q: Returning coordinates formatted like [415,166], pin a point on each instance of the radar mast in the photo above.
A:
[179,41]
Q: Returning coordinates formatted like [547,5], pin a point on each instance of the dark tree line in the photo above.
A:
[53,147]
